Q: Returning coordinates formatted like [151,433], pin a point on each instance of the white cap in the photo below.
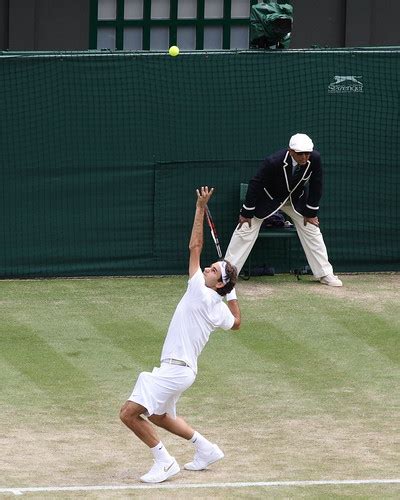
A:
[301,143]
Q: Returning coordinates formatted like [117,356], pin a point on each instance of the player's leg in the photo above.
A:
[165,465]
[242,242]
[176,426]
[131,415]
[206,452]
[154,393]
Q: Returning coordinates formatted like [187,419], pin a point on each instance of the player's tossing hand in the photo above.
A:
[203,195]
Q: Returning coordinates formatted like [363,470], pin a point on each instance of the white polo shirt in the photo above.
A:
[200,312]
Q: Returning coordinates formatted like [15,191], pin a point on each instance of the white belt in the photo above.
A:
[173,361]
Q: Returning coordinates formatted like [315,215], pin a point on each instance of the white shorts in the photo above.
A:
[160,390]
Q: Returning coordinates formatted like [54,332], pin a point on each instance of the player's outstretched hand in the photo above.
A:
[203,195]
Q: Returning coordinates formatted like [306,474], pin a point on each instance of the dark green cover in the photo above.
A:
[271,25]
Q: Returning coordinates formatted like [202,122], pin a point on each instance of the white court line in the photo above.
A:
[172,486]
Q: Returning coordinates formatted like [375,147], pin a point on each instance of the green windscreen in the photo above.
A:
[101,154]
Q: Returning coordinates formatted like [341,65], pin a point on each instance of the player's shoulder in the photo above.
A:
[197,281]
[197,276]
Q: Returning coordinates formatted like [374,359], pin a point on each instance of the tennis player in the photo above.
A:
[155,395]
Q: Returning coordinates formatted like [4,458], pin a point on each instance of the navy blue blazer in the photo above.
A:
[273,185]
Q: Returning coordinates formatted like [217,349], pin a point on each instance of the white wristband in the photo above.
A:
[231,295]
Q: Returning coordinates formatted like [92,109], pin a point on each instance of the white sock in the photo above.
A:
[161,454]
[200,442]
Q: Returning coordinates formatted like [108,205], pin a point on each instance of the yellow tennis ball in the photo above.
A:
[173,50]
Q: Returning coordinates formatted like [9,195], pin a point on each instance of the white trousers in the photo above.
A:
[310,236]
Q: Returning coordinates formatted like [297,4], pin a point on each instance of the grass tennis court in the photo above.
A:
[307,390]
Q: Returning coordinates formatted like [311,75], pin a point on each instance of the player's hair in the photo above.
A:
[231,274]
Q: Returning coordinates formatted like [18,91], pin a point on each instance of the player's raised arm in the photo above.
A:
[197,236]
[233,305]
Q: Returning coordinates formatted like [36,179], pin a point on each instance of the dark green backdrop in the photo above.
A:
[101,154]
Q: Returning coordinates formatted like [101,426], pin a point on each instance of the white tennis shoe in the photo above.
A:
[203,459]
[161,472]
[331,280]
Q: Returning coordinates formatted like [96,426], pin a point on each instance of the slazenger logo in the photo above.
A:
[343,84]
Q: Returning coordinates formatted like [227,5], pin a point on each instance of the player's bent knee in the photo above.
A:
[128,411]
[123,413]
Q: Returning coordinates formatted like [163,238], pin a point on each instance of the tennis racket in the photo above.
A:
[214,233]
